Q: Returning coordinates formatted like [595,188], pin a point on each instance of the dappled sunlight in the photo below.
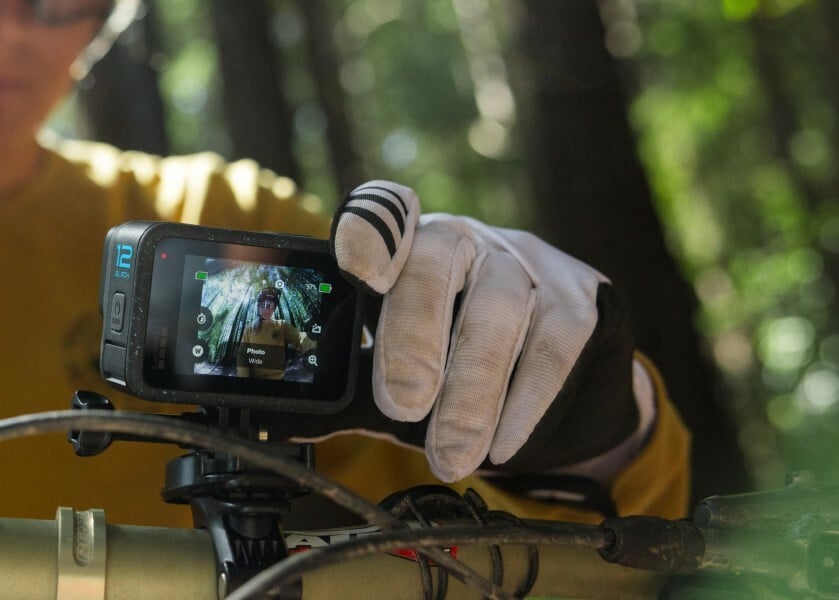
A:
[489,138]
[786,343]
[242,177]
[738,130]
[364,16]
[733,103]
[733,352]
[283,187]
[399,149]
[818,391]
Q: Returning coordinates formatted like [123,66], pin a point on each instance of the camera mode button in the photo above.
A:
[117,312]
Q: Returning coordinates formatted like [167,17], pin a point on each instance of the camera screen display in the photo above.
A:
[238,319]
[250,319]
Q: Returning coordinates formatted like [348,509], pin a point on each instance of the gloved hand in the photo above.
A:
[521,354]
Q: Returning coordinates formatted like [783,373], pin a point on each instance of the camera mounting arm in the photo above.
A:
[242,508]
[92,443]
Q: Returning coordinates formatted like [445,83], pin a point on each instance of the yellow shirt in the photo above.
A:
[269,334]
[655,482]
[51,237]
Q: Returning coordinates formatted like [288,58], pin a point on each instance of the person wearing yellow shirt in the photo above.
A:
[272,336]
[530,385]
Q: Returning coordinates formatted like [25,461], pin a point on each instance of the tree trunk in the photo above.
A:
[783,118]
[592,199]
[829,11]
[120,98]
[259,119]
[320,23]
[784,122]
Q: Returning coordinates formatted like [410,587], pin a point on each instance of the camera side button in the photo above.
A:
[117,312]
[113,363]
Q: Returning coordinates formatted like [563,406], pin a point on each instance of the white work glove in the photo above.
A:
[492,332]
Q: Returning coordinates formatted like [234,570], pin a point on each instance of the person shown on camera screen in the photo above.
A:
[262,350]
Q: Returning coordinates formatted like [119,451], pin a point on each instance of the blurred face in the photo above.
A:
[39,40]
[266,309]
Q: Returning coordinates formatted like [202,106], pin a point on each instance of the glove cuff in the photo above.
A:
[605,467]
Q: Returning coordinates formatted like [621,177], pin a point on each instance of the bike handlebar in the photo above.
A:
[78,556]
[783,541]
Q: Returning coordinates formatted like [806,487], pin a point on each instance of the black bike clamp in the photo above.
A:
[241,509]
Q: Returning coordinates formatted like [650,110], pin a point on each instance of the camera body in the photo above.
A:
[225,318]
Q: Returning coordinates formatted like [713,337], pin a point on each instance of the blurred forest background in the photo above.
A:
[687,149]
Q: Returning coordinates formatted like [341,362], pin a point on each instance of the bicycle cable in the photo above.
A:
[252,452]
[572,534]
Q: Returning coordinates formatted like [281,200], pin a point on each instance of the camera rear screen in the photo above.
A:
[248,320]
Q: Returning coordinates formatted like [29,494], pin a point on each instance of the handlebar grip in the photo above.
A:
[654,543]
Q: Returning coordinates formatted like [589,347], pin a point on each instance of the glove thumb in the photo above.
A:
[372,233]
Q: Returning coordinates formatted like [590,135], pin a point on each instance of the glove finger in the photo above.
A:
[491,328]
[412,337]
[562,326]
[372,233]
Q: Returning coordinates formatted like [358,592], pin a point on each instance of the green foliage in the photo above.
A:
[411,95]
[415,113]
[735,108]
[742,158]
[188,80]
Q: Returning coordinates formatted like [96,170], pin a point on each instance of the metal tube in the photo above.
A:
[40,559]
[47,559]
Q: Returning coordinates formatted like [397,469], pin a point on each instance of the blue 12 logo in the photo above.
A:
[124,254]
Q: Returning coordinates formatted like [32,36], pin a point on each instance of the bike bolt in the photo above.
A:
[222,586]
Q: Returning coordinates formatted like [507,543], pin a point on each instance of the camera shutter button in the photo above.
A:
[117,312]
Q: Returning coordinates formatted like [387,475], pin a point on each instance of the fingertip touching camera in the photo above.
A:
[225,318]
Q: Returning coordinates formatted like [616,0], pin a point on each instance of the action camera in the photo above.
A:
[217,317]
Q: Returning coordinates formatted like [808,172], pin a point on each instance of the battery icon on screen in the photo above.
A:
[325,288]
[201,275]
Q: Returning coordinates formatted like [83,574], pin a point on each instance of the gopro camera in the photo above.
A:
[217,317]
